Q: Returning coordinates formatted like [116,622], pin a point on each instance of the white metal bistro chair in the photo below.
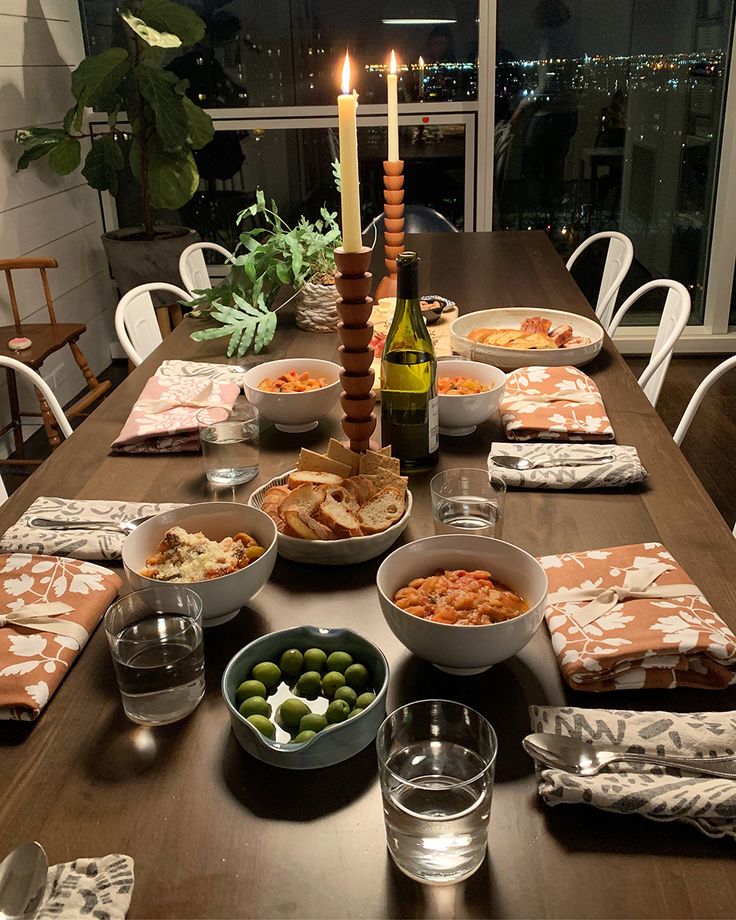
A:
[193,268]
[135,319]
[44,393]
[697,398]
[674,319]
[618,262]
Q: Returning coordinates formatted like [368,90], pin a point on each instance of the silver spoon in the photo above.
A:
[523,463]
[587,759]
[125,527]
[22,878]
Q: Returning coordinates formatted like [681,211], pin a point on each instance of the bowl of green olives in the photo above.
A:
[306,697]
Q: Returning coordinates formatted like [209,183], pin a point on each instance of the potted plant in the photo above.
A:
[270,256]
[165,126]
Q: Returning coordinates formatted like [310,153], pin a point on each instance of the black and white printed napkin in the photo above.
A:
[97,888]
[658,793]
[624,469]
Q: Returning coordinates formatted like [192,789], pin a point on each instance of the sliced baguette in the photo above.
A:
[300,477]
[362,487]
[305,526]
[385,509]
[338,511]
[306,497]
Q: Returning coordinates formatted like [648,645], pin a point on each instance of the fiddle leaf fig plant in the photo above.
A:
[165,125]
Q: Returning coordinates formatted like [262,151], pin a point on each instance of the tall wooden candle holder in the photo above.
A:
[393,224]
[355,330]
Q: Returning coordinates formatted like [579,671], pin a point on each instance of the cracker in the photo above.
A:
[383,477]
[337,451]
[374,461]
[311,462]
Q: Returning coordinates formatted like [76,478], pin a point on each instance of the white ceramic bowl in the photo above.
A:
[462,649]
[349,551]
[294,412]
[512,318]
[459,415]
[334,744]
[221,597]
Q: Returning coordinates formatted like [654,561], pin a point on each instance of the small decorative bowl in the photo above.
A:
[223,597]
[460,415]
[294,412]
[332,745]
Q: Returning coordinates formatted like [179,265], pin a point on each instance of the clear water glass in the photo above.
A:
[229,439]
[468,501]
[436,761]
[155,638]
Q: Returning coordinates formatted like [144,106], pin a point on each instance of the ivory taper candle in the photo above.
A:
[392,88]
[347,111]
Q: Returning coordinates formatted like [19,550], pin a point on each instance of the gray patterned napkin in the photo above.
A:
[225,373]
[624,470]
[658,793]
[97,888]
[78,544]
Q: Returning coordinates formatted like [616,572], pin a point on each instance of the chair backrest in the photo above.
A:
[193,268]
[3,492]
[619,257]
[40,384]
[13,265]
[418,219]
[674,319]
[135,319]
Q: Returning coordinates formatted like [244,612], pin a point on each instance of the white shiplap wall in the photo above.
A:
[42,214]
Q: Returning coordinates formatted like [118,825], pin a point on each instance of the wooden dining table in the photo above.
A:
[216,833]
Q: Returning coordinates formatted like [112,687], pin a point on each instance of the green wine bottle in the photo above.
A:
[409,402]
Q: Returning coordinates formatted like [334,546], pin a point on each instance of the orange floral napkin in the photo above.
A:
[553,404]
[49,607]
[629,617]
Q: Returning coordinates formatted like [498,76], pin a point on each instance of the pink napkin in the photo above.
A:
[164,417]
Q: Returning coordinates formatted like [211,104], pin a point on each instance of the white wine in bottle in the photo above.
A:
[409,403]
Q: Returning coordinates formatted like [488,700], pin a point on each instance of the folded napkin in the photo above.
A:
[629,617]
[224,373]
[624,469]
[97,888]
[164,417]
[555,404]
[79,544]
[49,607]
[658,793]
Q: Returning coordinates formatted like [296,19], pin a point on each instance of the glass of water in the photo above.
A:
[468,501]
[155,638]
[229,439]
[436,761]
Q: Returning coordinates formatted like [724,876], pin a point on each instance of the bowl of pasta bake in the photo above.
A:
[460,601]
[293,393]
[469,394]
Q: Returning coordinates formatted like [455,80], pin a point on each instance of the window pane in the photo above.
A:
[288,52]
[609,116]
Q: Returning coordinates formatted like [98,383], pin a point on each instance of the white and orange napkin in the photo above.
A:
[164,417]
[629,617]
[553,404]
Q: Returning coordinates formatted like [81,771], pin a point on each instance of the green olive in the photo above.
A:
[250,688]
[309,685]
[357,677]
[291,712]
[356,712]
[331,682]
[264,726]
[255,706]
[339,661]
[315,660]
[337,711]
[365,700]
[291,662]
[348,694]
[305,736]
[312,723]
[268,673]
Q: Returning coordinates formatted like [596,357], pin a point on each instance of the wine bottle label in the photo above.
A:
[433,420]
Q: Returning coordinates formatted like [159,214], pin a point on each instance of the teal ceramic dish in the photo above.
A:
[332,745]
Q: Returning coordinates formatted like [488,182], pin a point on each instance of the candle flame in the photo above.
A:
[346,74]
[392,67]
[421,61]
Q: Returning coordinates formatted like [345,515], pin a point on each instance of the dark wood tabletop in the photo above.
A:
[215,833]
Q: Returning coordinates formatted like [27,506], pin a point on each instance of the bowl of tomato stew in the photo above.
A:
[469,394]
[460,601]
[293,393]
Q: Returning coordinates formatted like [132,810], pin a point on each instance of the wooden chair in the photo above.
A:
[46,339]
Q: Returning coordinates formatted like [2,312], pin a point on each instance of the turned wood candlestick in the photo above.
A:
[355,331]
[393,224]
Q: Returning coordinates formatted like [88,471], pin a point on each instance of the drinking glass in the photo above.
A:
[155,638]
[436,761]
[468,501]
[229,439]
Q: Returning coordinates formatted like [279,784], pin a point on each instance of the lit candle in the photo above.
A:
[421,77]
[392,87]
[347,112]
